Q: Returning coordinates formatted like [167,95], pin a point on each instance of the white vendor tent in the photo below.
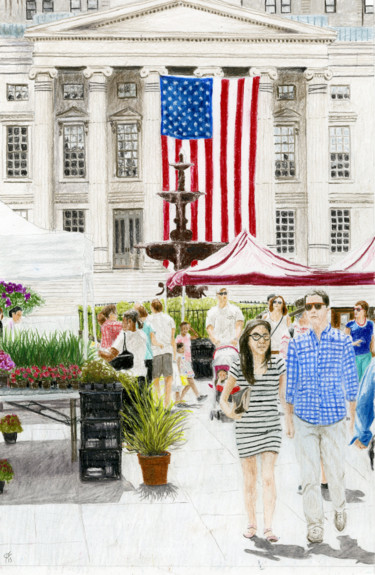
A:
[47,261]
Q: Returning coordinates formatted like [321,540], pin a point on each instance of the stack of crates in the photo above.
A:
[202,353]
[100,453]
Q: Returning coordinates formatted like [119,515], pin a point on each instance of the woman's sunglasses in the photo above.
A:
[258,336]
[278,302]
[309,306]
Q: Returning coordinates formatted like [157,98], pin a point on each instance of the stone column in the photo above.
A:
[317,157]
[265,204]
[98,165]
[151,157]
[43,148]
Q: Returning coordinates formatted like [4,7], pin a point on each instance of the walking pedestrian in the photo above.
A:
[259,429]
[224,322]
[165,328]
[151,339]
[320,362]
[279,320]
[364,415]
[110,327]
[361,331]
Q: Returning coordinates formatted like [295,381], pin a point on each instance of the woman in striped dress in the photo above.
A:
[259,429]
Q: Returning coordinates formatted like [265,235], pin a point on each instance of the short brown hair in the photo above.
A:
[157,305]
[364,305]
[284,310]
[105,312]
[141,310]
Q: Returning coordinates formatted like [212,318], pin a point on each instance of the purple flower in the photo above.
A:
[27,296]
[19,288]
[8,303]
[4,295]
[9,289]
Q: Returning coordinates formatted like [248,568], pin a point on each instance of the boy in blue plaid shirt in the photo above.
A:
[321,373]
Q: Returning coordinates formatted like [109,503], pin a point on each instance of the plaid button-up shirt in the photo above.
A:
[318,375]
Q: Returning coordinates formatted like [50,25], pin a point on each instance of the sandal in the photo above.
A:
[250,531]
[272,538]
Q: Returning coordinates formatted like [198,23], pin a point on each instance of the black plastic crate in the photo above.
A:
[101,434]
[100,464]
[202,368]
[96,404]
[202,348]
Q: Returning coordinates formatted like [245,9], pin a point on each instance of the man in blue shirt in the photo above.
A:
[365,408]
[320,369]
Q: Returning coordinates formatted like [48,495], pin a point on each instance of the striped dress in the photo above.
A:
[259,429]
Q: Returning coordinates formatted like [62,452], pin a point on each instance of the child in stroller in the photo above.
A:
[224,356]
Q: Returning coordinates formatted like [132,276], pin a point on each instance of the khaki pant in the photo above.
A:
[325,442]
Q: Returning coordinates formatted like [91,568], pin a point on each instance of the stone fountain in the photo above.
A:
[180,249]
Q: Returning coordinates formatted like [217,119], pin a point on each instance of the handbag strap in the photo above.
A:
[124,347]
[273,331]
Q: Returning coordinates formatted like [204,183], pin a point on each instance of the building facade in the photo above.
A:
[80,121]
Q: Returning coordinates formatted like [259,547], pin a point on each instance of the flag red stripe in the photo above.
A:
[194,187]
[165,176]
[209,187]
[252,155]
[238,156]
[223,158]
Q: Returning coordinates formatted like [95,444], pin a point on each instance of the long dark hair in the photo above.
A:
[246,356]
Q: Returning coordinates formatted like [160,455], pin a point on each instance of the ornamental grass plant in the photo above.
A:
[149,427]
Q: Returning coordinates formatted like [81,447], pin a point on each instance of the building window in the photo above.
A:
[330,6]
[128,232]
[286,92]
[286,6]
[369,6]
[339,148]
[47,6]
[127,90]
[75,5]
[271,6]
[17,152]
[30,9]
[23,213]
[285,164]
[92,4]
[74,221]
[74,152]
[340,231]
[127,150]
[285,231]
[340,92]
[17,92]
[73,91]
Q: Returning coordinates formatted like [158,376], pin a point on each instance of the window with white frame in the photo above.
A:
[285,155]
[23,213]
[340,231]
[339,149]
[127,90]
[17,92]
[75,5]
[286,92]
[74,220]
[92,4]
[74,156]
[285,231]
[330,6]
[30,9]
[47,6]
[73,91]
[286,6]
[340,92]
[127,233]
[127,150]
[369,6]
[271,6]
[17,152]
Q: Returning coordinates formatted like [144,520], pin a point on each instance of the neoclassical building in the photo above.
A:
[80,115]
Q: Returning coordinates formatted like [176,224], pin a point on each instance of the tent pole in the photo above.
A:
[85,317]
[165,297]
[93,314]
[183,303]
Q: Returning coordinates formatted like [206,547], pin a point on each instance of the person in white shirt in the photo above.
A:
[165,328]
[224,322]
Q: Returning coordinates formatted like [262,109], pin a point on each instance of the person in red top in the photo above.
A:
[109,325]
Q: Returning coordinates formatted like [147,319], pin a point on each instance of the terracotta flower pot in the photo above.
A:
[154,468]
[10,437]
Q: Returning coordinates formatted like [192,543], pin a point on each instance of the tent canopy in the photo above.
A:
[244,261]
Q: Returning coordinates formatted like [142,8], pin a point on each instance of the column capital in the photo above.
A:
[42,71]
[266,74]
[148,71]
[318,74]
[215,71]
[99,72]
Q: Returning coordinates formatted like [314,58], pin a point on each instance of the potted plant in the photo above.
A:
[6,473]
[10,425]
[6,365]
[97,374]
[151,429]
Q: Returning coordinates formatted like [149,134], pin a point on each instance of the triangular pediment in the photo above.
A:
[72,113]
[126,113]
[179,18]
[287,114]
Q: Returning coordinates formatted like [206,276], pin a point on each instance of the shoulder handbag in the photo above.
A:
[125,360]
[242,400]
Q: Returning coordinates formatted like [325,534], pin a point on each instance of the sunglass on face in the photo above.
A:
[223,293]
[258,336]
[278,302]
[317,306]
[357,308]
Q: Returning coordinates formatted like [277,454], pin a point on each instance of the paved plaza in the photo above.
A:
[192,526]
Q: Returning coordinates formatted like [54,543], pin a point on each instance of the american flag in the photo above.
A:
[213,121]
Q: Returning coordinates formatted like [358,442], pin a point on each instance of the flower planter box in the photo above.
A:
[100,464]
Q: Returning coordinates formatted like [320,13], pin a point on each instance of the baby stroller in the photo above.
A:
[223,358]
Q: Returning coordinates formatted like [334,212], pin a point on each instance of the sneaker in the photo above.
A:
[315,535]
[299,490]
[340,520]
[201,397]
